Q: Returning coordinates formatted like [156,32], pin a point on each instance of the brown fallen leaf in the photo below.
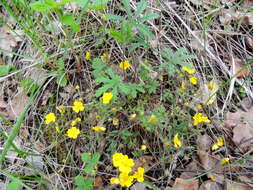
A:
[238,68]
[144,161]
[249,41]
[243,136]
[17,105]
[237,186]
[8,40]
[185,184]
[204,142]
[98,184]
[210,185]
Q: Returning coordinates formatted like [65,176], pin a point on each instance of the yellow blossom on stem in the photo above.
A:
[57,128]
[177,142]
[200,107]
[50,118]
[220,142]
[115,121]
[122,161]
[87,55]
[125,180]
[211,85]
[105,57]
[193,80]
[139,175]
[61,109]
[78,106]
[143,147]
[114,181]
[75,121]
[211,99]
[73,132]
[132,116]
[98,128]
[183,85]
[188,70]
[107,96]
[215,147]
[124,65]
[200,118]
[77,87]
[152,119]
[224,161]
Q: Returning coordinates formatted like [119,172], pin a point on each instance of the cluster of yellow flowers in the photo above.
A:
[200,118]
[219,143]
[125,164]
[193,80]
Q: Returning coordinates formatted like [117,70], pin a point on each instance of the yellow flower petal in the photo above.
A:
[177,142]
[188,70]
[98,128]
[215,147]
[124,65]
[73,132]
[143,147]
[220,142]
[200,118]
[152,119]
[224,161]
[78,106]
[114,181]
[87,55]
[50,118]
[193,80]
[107,96]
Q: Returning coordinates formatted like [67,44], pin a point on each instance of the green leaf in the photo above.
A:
[148,17]
[86,157]
[29,85]
[63,2]
[82,3]
[4,70]
[103,89]
[141,7]
[60,63]
[114,17]
[44,6]
[89,168]
[127,8]
[95,158]
[145,31]
[75,27]
[79,181]
[125,89]
[67,19]
[14,185]
[98,5]
[62,80]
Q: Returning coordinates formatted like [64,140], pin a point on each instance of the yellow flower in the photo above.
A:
[57,128]
[224,161]
[211,85]
[107,96]
[73,132]
[188,70]
[98,128]
[139,175]
[177,142]
[61,109]
[215,147]
[132,116]
[200,107]
[200,118]
[116,159]
[220,142]
[143,147]
[114,181]
[75,121]
[122,161]
[183,85]
[87,55]
[115,121]
[125,180]
[77,87]
[78,106]
[50,118]
[114,110]
[211,99]
[124,65]
[193,80]
[152,119]
[105,57]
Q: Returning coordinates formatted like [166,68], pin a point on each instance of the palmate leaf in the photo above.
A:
[141,7]
[148,17]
